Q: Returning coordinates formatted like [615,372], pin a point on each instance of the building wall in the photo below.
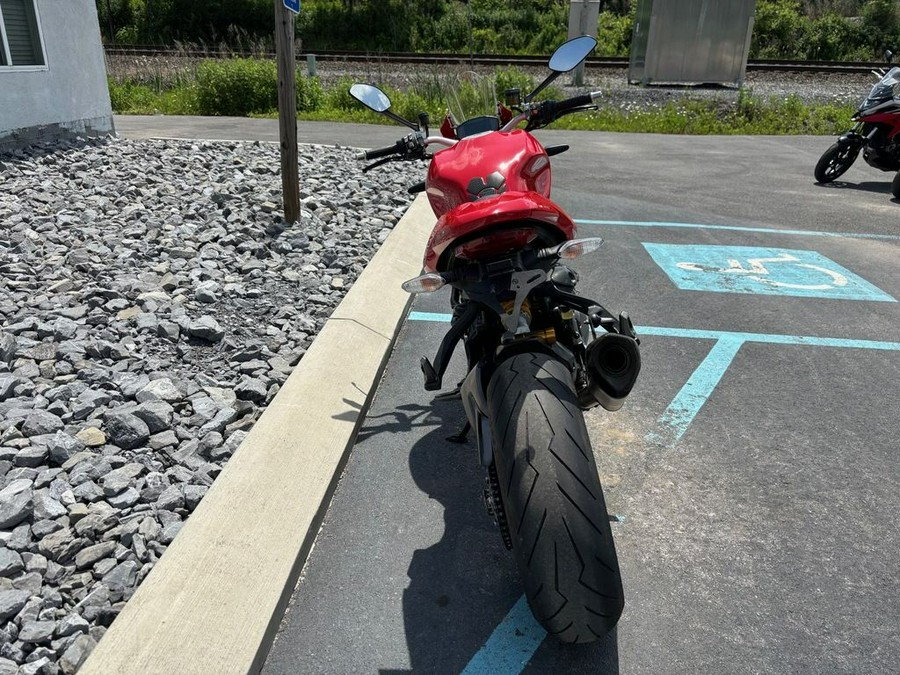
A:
[70,96]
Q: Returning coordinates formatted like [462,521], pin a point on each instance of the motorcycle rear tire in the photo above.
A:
[835,161]
[553,499]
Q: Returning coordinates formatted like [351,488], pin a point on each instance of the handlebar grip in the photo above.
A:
[575,102]
[381,152]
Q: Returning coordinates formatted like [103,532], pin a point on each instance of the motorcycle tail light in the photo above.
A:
[579,247]
[536,165]
[497,243]
[537,170]
[427,283]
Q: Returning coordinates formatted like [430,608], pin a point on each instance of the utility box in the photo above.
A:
[691,41]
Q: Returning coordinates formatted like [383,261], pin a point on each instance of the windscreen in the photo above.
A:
[887,87]
[472,96]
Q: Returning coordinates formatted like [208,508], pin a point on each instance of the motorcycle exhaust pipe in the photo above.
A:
[613,364]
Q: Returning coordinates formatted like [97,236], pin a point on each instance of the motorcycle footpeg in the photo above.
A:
[626,327]
[598,318]
[452,395]
[432,379]
[462,436]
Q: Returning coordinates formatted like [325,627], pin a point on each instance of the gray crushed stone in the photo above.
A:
[152,303]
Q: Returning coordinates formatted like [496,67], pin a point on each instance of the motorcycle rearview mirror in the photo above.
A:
[566,57]
[376,100]
[571,53]
[371,97]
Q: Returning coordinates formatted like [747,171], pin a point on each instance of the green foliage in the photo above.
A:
[380,26]
[309,93]
[181,100]
[831,38]
[778,27]
[812,29]
[783,30]
[614,34]
[247,87]
[338,97]
[132,98]
[450,31]
[881,22]
[749,116]
[237,87]
[512,78]
[163,21]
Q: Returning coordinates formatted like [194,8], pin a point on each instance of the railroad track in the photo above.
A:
[762,65]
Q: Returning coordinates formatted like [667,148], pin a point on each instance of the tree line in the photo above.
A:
[803,29]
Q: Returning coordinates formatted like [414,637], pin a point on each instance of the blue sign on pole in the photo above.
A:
[764,271]
[293,5]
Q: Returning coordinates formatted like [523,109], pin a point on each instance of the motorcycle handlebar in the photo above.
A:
[577,102]
[381,152]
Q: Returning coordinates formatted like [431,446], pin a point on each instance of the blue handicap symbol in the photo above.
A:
[763,271]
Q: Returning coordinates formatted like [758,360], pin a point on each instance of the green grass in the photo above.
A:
[750,116]
[248,87]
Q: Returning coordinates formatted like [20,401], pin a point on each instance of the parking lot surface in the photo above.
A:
[751,476]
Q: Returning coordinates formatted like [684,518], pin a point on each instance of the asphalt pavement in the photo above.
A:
[752,473]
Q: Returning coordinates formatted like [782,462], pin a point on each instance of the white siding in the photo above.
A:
[70,90]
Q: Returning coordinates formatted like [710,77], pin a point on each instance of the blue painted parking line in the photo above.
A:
[683,409]
[511,645]
[702,334]
[677,417]
[430,316]
[773,338]
[697,390]
[762,271]
[736,228]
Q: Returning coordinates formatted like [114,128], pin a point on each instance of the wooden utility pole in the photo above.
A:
[287,110]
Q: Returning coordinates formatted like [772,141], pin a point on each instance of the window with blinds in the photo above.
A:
[20,39]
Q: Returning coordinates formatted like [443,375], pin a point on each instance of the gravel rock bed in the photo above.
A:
[841,88]
[152,303]
[823,87]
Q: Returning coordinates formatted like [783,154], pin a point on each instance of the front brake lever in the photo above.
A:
[378,163]
[583,108]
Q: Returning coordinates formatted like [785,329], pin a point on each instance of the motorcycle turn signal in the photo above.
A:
[574,248]
[427,283]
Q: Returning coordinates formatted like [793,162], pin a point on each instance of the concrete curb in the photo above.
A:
[215,599]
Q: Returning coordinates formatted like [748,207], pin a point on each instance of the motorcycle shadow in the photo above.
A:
[866,186]
[462,587]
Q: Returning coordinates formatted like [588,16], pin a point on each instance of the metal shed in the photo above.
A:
[691,41]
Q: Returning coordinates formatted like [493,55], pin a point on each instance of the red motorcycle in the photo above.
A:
[876,133]
[538,354]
